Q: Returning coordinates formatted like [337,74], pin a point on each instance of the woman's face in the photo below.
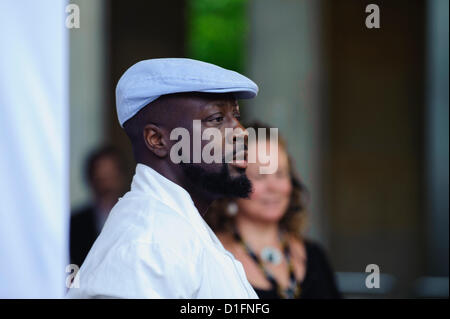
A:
[271,192]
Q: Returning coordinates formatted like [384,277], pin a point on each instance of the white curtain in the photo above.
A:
[34,203]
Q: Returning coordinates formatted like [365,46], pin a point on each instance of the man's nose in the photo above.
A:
[239,132]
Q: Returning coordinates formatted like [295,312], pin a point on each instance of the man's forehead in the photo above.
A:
[207,96]
[220,103]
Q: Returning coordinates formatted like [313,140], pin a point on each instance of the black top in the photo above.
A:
[319,281]
[83,233]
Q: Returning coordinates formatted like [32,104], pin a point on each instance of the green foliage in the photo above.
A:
[217,32]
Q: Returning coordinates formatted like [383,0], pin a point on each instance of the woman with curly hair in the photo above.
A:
[264,232]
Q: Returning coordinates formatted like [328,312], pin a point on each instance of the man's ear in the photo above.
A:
[155,140]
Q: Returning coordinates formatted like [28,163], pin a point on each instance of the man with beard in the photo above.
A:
[155,243]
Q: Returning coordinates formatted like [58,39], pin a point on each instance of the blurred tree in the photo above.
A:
[217,31]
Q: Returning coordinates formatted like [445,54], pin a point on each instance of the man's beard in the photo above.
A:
[221,184]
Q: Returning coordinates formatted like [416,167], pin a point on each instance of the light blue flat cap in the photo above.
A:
[147,80]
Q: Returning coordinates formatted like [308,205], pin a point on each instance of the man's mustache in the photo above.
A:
[234,153]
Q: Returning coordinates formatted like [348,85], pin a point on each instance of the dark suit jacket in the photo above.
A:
[83,233]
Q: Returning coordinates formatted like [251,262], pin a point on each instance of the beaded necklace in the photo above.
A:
[293,291]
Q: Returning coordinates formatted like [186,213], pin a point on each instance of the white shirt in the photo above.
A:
[155,244]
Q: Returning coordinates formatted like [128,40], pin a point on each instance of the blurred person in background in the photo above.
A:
[105,174]
[264,233]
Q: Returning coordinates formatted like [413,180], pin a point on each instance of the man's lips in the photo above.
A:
[240,164]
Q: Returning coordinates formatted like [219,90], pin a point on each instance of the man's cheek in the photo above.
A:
[212,150]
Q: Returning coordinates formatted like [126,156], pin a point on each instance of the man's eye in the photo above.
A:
[237,116]
[217,119]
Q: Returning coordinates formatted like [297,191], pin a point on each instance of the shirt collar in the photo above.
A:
[149,181]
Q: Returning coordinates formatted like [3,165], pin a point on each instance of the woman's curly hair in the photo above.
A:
[294,219]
